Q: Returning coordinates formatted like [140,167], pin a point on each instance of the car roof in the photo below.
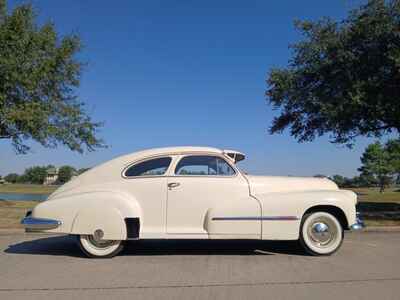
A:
[175,150]
[107,171]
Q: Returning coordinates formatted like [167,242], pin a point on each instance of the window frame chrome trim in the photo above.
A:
[221,156]
[176,157]
[144,160]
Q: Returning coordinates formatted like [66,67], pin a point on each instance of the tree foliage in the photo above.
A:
[339,180]
[12,178]
[82,170]
[65,174]
[356,181]
[36,174]
[377,162]
[343,78]
[393,149]
[39,74]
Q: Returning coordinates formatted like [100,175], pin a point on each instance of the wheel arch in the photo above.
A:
[332,209]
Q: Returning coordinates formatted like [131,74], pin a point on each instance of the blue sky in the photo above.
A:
[164,73]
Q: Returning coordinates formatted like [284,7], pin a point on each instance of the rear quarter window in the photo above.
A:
[151,167]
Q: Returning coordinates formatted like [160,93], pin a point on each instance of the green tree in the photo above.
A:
[339,180]
[39,75]
[393,148]
[12,178]
[65,174]
[320,176]
[23,179]
[343,78]
[367,180]
[376,162]
[35,174]
[3,10]
[82,170]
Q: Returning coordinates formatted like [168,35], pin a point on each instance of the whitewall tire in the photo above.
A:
[99,248]
[321,233]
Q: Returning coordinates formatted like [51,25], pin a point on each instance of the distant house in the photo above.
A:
[51,176]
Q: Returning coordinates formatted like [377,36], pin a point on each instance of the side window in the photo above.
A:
[203,165]
[152,167]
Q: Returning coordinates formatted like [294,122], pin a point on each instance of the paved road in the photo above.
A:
[51,267]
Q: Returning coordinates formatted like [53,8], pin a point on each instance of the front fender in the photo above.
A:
[295,204]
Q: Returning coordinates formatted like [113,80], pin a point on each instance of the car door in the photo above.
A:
[147,183]
[208,196]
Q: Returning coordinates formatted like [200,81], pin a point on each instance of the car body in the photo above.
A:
[192,193]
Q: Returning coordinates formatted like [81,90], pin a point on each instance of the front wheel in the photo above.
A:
[97,248]
[321,233]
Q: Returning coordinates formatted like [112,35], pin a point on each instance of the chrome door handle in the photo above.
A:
[173,184]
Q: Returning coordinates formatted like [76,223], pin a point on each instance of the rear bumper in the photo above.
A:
[39,224]
[359,223]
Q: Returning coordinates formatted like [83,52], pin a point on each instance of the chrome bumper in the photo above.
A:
[359,223]
[38,224]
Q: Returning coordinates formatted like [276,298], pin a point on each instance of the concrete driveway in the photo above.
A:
[52,267]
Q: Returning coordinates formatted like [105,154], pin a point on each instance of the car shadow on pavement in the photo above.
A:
[67,246]
[211,247]
[53,245]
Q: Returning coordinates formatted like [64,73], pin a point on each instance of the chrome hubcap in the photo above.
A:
[98,243]
[322,232]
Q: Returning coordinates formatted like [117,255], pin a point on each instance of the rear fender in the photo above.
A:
[106,211]
[86,212]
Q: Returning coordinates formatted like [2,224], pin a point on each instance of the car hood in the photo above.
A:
[271,184]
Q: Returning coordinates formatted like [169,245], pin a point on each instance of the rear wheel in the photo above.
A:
[321,233]
[97,248]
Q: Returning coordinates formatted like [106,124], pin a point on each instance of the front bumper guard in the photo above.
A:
[359,223]
[37,224]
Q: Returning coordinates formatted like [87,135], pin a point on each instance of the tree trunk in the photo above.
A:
[381,185]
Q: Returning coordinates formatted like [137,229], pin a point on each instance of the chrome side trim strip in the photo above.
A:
[275,218]
[39,223]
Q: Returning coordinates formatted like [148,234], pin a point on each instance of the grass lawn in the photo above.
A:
[374,206]
[373,195]
[11,212]
[381,223]
[27,188]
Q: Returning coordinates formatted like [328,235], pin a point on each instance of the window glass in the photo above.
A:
[153,167]
[203,165]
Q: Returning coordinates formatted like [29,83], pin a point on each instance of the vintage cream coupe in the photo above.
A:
[193,193]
